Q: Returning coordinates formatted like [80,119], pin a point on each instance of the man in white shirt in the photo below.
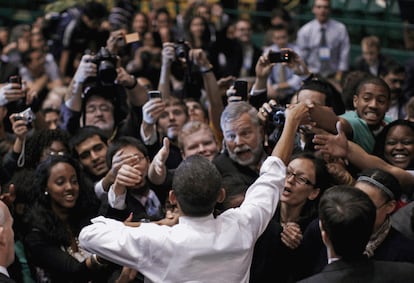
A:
[200,248]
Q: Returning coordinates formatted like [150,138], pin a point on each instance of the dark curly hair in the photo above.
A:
[41,216]
[39,141]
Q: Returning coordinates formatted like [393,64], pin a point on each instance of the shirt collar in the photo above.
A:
[4,271]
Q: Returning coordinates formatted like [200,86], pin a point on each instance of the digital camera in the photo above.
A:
[106,67]
[181,49]
[26,115]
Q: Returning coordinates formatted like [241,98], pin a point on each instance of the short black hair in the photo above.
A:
[332,96]
[83,134]
[95,10]
[347,215]
[375,81]
[392,67]
[122,142]
[196,185]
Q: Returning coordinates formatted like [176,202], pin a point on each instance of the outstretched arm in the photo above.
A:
[339,146]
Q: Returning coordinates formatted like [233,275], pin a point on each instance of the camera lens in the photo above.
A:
[107,72]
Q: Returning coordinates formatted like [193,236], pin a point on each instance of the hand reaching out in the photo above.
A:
[161,157]
[334,145]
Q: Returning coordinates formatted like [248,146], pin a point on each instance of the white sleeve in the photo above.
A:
[263,195]
[117,202]
[99,190]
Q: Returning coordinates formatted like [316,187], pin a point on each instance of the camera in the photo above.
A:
[106,67]
[277,115]
[279,57]
[181,49]
[26,115]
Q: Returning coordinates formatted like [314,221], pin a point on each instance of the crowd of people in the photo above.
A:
[138,147]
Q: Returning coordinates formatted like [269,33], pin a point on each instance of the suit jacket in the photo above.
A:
[364,271]
[6,279]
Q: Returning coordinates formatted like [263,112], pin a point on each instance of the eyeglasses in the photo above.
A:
[102,108]
[298,179]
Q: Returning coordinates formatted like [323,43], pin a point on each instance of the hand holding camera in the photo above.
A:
[21,123]
[168,53]
[85,70]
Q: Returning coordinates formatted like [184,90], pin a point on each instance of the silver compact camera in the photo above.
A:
[26,115]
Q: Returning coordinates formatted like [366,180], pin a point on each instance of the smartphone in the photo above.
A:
[15,80]
[154,94]
[279,57]
[241,89]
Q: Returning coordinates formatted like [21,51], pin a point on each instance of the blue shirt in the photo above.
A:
[337,39]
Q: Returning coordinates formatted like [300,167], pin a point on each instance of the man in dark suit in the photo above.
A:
[347,216]
[6,243]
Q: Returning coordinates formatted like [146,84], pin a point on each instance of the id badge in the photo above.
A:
[324,53]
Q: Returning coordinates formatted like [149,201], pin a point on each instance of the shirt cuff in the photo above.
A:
[99,190]
[148,140]
[117,202]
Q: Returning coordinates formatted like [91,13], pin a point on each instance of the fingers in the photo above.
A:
[129,176]
[291,235]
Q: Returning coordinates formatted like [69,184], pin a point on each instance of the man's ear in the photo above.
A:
[172,197]
[324,236]
[221,195]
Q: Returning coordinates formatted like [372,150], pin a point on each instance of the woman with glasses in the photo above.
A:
[277,250]
[386,243]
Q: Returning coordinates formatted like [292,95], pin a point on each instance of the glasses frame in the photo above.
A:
[298,179]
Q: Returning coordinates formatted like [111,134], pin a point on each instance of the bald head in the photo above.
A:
[6,236]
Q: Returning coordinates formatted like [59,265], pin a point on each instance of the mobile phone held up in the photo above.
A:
[279,57]
[241,89]
[154,94]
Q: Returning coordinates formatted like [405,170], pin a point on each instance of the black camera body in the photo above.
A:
[182,49]
[106,67]
[279,57]
[277,115]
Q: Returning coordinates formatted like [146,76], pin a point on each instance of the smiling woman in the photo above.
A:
[61,206]
[395,144]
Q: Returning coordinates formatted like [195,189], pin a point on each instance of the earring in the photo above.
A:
[46,193]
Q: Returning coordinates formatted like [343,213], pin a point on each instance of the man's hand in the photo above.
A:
[9,197]
[12,92]
[263,67]
[124,78]
[296,63]
[168,53]
[161,157]
[19,126]
[152,110]
[86,69]
[334,145]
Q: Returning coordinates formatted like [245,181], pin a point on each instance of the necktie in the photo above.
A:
[152,206]
[323,37]
[282,74]
[323,53]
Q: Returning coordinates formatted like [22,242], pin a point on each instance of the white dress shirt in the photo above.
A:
[197,249]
